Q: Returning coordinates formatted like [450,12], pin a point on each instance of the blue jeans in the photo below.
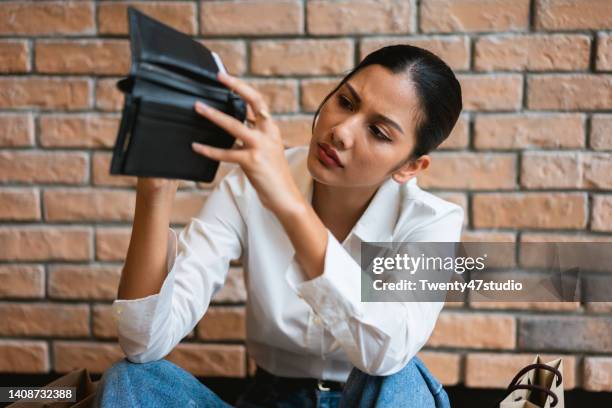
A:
[164,384]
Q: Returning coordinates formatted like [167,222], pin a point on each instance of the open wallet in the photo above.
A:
[169,72]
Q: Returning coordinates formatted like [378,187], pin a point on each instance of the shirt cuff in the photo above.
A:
[137,319]
[335,295]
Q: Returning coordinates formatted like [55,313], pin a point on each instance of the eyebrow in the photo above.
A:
[380,116]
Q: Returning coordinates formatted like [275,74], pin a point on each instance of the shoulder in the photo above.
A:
[420,210]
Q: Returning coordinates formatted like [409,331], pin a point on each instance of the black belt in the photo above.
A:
[293,383]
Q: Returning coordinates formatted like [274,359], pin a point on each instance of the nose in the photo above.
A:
[344,133]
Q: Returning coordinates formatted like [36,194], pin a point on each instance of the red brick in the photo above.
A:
[313,91]
[45,93]
[112,243]
[231,52]
[280,95]
[24,356]
[565,333]
[43,167]
[101,57]
[530,210]
[474,15]
[572,15]
[603,60]
[223,323]
[16,129]
[84,282]
[254,17]
[19,204]
[104,324]
[569,92]
[101,172]
[210,360]
[89,205]
[112,16]
[601,132]
[233,290]
[78,130]
[301,57]
[44,319]
[462,330]
[491,92]
[597,373]
[187,205]
[328,17]
[496,370]
[551,170]
[560,52]
[22,281]
[94,357]
[14,56]
[453,50]
[566,170]
[471,171]
[46,18]
[108,97]
[602,213]
[446,367]
[45,243]
[597,171]
[295,129]
[524,131]
[459,137]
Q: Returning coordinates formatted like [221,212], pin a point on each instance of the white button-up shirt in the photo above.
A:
[316,328]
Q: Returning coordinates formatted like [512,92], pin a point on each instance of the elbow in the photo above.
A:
[140,353]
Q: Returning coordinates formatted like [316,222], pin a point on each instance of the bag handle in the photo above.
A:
[533,366]
[532,387]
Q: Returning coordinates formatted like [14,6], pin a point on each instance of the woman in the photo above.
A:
[297,218]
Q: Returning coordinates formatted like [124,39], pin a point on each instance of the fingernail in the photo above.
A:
[197,145]
[201,105]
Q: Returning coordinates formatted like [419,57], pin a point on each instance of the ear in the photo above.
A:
[411,169]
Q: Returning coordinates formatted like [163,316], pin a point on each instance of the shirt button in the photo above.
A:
[316,320]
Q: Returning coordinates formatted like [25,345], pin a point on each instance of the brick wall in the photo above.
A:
[530,159]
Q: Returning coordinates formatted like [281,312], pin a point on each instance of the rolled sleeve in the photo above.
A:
[197,262]
[380,338]
[137,318]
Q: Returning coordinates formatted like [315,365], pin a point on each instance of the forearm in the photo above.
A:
[145,266]
[308,235]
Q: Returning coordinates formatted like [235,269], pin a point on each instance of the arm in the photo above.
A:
[150,327]
[145,264]
[379,337]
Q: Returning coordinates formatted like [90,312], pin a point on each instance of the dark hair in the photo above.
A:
[436,86]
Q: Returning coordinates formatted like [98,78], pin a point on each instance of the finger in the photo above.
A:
[226,122]
[248,93]
[215,153]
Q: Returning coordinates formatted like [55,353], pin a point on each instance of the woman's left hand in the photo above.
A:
[261,155]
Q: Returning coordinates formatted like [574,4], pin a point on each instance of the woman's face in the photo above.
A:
[369,125]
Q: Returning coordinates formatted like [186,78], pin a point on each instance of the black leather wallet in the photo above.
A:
[169,72]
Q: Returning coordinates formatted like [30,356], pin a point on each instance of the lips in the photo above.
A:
[331,153]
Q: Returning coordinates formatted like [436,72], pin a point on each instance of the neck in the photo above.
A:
[339,208]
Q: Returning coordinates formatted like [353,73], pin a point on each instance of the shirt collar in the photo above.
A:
[377,223]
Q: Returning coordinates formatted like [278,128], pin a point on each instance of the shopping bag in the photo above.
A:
[78,378]
[537,385]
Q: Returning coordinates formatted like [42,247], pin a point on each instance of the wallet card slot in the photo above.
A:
[171,79]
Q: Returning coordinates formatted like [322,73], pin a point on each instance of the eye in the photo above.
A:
[344,102]
[378,134]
